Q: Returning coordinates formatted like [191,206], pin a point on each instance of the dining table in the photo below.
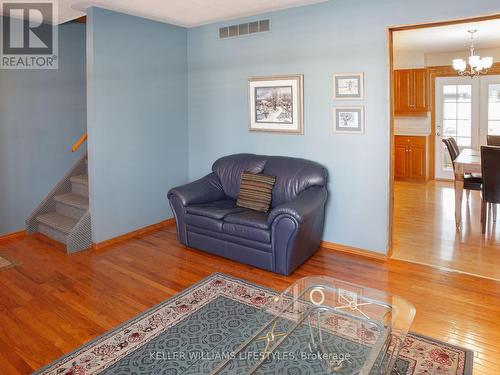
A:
[468,161]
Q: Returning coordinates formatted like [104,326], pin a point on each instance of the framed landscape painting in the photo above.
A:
[348,86]
[276,104]
[349,120]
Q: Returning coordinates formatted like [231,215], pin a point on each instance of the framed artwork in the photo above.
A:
[349,119]
[348,86]
[275,104]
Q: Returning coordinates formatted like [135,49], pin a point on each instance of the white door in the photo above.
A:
[457,116]
[490,107]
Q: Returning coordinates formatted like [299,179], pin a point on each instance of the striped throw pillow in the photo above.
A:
[255,191]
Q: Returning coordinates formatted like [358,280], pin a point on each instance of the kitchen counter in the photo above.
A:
[413,132]
[412,126]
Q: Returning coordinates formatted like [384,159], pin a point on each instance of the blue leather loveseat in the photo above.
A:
[281,239]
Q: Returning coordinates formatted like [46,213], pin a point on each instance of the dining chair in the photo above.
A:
[471,182]
[490,166]
[494,140]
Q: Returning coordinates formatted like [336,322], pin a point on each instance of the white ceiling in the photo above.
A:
[187,13]
[449,38]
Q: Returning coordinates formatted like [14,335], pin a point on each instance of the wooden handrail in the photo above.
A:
[78,143]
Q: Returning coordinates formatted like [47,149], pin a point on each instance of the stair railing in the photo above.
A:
[78,143]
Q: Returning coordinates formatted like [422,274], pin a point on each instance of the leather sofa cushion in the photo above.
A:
[204,222]
[215,210]
[250,218]
[226,238]
[229,170]
[293,176]
[245,231]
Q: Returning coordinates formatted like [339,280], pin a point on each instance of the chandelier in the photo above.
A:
[477,65]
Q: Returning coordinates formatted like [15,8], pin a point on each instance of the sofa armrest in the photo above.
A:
[297,229]
[307,203]
[206,189]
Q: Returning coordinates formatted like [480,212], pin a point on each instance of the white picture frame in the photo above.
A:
[349,119]
[348,86]
[275,104]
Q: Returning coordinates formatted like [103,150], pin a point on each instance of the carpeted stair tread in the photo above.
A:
[81,179]
[73,200]
[62,223]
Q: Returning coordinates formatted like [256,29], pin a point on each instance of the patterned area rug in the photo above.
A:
[172,338]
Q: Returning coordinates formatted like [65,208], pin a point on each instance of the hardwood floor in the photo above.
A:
[424,230]
[52,303]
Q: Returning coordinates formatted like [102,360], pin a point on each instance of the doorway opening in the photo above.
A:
[432,101]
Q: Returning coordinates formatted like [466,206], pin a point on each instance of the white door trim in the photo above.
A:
[483,128]
[447,174]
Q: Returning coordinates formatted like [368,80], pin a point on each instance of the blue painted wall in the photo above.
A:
[42,113]
[317,41]
[137,120]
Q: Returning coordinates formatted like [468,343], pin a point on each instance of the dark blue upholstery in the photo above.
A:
[251,218]
[280,240]
[216,209]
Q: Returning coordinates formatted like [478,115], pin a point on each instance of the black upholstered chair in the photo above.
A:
[494,140]
[471,182]
[452,146]
[490,165]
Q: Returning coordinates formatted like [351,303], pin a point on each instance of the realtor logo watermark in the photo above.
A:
[29,34]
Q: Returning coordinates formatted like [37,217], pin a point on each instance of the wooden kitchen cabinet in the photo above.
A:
[400,161]
[410,157]
[411,92]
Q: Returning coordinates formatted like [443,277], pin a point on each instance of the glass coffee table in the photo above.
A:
[319,325]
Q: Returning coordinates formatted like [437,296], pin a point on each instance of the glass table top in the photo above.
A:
[318,324]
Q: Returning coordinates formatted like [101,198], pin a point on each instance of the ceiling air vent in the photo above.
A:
[244,29]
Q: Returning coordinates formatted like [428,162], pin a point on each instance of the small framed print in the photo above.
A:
[348,86]
[276,104]
[349,119]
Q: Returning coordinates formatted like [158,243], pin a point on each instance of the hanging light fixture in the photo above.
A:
[477,65]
